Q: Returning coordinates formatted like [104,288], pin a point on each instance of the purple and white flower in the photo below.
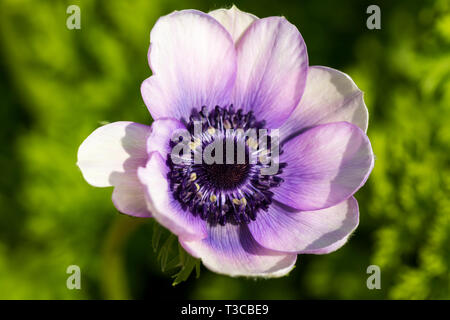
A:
[230,70]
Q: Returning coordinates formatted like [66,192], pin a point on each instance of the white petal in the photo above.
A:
[129,195]
[330,96]
[117,147]
[110,156]
[234,20]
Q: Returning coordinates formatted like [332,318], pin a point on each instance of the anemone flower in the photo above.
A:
[232,72]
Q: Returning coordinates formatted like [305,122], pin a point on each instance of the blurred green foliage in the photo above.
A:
[58,85]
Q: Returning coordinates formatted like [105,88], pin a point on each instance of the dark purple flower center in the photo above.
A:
[226,176]
[224,179]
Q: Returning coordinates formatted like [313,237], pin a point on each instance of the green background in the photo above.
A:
[58,85]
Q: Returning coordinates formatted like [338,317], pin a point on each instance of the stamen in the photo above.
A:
[223,192]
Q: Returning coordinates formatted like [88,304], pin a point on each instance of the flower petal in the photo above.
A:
[163,130]
[272,68]
[110,156]
[115,147]
[167,210]
[129,195]
[325,165]
[231,250]
[328,249]
[330,96]
[234,20]
[193,60]
[321,231]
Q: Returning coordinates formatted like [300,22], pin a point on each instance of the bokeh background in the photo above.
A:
[58,85]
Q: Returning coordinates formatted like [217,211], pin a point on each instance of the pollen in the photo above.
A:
[194,144]
[227,124]
[263,156]
[252,143]
[213,198]
[193,176]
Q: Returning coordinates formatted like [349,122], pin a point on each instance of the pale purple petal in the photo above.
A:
[328,249]
[162,132]
[167,210]
[231,250]
[110,156]
[272,69]
[286,229]
[193,60]
[325,165]
[234,20]
[129,195]
[330,96]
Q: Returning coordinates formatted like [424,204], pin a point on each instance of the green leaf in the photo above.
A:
[171,256]
[186,269]
[157,233]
